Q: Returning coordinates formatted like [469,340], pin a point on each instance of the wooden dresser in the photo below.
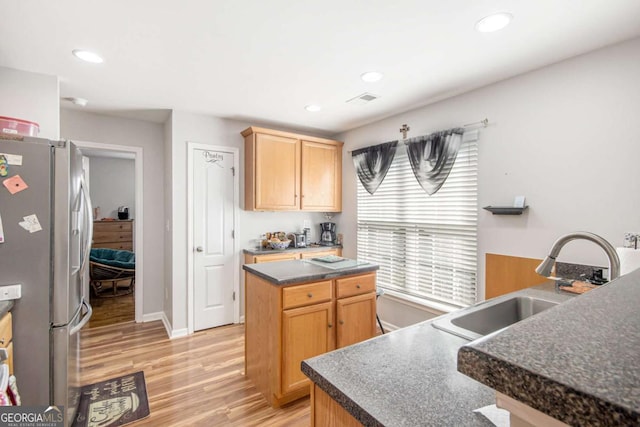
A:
[113,234]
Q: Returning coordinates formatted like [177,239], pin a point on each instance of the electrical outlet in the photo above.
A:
[10,292]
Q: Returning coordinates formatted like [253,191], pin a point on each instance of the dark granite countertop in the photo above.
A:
[303,270]
[408,377]
[5,307]
[577,362]
[268,251]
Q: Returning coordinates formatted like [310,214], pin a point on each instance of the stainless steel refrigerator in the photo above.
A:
[49,263]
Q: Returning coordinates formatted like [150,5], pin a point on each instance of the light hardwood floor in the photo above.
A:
[192,381]
[110,311]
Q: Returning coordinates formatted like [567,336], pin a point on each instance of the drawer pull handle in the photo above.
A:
[310,295]
[358,286]
[341,322]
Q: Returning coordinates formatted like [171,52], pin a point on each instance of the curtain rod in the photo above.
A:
[405,128]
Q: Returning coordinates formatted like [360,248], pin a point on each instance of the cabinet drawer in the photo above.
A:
[297,296]
[5,330]
[336,252]
[120,246]
[355,285]
[108,236]
[277,257]
[113,226]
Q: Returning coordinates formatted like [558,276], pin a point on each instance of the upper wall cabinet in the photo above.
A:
[288,172]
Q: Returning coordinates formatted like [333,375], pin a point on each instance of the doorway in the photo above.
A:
[116,186]
[213,194]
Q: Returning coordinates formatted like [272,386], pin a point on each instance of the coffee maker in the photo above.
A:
[327,233]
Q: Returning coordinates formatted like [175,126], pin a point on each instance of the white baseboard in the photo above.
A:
[152,317]
[171,333]
[388,327]
[242,319]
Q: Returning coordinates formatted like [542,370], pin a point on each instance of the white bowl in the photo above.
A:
[283,244]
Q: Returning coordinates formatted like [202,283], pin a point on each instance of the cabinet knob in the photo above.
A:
[341,322]
[1,341]
[310,295]
[330,325]
[358,286]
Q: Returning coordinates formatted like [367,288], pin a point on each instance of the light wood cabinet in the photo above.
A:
[287,172]
[6,338]
[321,177]
[113,235]
[285,325]
[356,319]
[291,254]
[306,332]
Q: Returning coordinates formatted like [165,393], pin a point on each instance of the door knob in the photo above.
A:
[199,249]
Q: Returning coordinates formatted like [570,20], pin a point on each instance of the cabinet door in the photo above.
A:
[356,318]
[321,177]
[277,173]
[306,332]
[307,255]
[284,256]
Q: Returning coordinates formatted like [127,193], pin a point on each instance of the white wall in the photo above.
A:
[91,127]
[33,97]
[168,215]
[564,136]
[112,185]
[188,127]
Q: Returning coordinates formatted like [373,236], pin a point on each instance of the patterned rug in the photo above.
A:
[114,402]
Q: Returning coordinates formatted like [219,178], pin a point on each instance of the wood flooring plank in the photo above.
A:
[192,381]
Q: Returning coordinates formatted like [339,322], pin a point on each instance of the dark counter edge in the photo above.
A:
[343,400]
[330,274]
[542,394]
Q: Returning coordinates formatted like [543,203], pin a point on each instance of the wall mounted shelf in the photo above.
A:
[505,210]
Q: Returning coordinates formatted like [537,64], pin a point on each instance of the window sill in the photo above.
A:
[434,307]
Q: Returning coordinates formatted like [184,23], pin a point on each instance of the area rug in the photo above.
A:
[113,402]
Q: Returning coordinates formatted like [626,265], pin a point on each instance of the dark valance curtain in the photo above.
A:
[432,157]
[372,164]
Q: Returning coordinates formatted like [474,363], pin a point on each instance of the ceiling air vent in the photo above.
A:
[363,99]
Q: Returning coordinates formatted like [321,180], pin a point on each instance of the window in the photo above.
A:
[426,246]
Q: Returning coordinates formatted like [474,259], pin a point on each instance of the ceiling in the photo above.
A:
[263,61]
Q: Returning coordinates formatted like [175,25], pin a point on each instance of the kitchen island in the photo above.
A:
[408,377]
[299,309]
[577,363]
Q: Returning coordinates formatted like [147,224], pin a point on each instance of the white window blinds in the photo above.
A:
[426,246]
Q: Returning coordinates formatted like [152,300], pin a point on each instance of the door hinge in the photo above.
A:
[234,295]
[233,170]
[233,234]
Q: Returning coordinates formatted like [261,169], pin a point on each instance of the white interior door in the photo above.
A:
[213,234]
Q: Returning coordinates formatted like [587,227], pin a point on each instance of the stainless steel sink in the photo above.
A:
[491,316]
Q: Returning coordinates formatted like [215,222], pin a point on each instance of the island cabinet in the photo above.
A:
[288,172]
[286,324]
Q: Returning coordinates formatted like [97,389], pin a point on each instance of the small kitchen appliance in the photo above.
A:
[123,212]
[299,240]
[327,233]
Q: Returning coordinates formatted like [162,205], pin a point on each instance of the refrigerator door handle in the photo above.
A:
[88,224]
[85,318]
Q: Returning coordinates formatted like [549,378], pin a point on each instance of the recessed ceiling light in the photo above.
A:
[85,55]
[494,22]
[312,107]
[371,76]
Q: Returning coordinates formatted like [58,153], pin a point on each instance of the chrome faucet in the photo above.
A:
[544,269]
